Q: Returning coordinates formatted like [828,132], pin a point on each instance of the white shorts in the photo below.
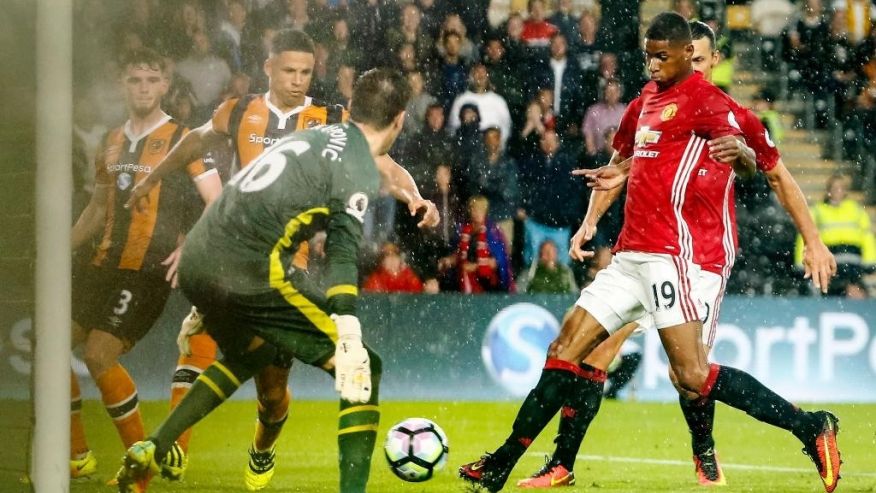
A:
[710,290]
[638,284]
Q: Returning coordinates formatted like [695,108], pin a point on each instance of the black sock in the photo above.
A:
[742,391]
[700,416]
[577,414]
[619,378]
[555,385]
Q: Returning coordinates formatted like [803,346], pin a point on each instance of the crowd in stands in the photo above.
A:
[500,114]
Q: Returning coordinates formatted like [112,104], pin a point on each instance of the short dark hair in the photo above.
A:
[378,97]
[143,56]
[669,26]
[700,30]
[291,40]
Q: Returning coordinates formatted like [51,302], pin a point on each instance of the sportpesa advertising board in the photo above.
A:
[460,347]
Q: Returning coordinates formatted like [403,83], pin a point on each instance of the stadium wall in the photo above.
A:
[458,347]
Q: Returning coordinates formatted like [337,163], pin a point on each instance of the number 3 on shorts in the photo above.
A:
[664,298]
[124,299]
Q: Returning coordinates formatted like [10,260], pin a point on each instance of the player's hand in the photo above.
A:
[819,264]
[582,236]
[604,178]
[725,149]
[172,263]
[140,194]
[352,364]
[431,218]
[193,324]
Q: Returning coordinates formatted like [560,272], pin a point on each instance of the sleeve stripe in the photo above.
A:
[342,289]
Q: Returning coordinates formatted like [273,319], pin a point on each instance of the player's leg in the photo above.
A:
[357,431]
[273,407]
[603,308]
[188,368]
[82,460]
[699,412]
[740,390]
[117,388]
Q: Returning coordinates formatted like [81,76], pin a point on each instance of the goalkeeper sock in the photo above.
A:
[78,445]
[119,396]
[357,434]
[578,413]
[556,382]
[700,416]
[271,418]
[211,389]
[188,368]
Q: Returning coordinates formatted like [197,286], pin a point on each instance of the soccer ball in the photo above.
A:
[415,449]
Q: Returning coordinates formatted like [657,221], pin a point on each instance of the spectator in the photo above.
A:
[467,140]
[540,114]
[808,39]
[450,76]
[410,33]
[208,74]
[453,23]
[230,41]
[858,17]
[179,37]
[546,275]
[369,19]
[88,128]
[341,51]
[763,105]
[343,90]
[585,48]
[515,46]
[602,116]
[254,59]
[482,261]
[430,18]
[552,197]
[473,14]
[567,83]
[406,60]
[492,107]
[493,175]
[296,15]
[769,18]
[392,275]
[415,112]
[844,226]
[537,32]
[237,88]
[565,20]
[429,147]
[503,73]
[686,8]
[448,203]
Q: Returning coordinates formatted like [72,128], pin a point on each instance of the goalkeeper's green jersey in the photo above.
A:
[319,179]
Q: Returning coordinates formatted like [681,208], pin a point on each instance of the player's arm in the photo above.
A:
[732,149]
[818,262]
[92,218]
[600,201]
[351,361]
[191,147]
[403,187]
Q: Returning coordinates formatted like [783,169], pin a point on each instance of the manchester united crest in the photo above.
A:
[669,112]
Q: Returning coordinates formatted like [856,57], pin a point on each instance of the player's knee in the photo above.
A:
[98,358]
[690,379]
[274,399]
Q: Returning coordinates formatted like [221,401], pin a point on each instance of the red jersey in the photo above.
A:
[716,239]
[666,133]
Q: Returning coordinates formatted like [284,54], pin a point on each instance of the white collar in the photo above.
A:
[135,139]
[282,117]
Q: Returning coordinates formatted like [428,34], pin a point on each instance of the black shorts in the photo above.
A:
[292,318]
[124,303]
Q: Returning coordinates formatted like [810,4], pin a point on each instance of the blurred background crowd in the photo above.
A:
[509,97]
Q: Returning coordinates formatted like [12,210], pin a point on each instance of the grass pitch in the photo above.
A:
[635,447]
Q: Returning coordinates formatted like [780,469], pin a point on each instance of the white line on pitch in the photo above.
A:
[670,462]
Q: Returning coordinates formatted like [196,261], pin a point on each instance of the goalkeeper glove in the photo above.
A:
[352,364]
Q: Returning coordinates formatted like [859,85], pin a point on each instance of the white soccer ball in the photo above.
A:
[415,449]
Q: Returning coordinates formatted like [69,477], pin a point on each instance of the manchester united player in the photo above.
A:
[121,290]
[254,123]
[716,264]
[654,271]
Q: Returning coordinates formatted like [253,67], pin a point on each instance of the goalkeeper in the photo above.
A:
[233,269]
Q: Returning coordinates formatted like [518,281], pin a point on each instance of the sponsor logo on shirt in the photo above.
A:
[254,119]
[647,154]
[645,136]
[258,139]
[669,112]
[128,168]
